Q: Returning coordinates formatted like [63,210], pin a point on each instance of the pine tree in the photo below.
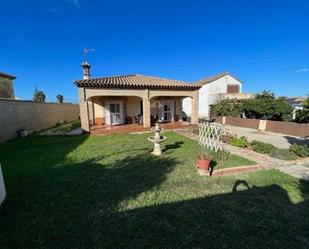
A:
[38,96]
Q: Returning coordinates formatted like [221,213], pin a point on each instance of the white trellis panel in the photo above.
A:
[210,135]
[2,187]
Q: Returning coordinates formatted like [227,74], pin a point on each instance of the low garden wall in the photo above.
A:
[16,114]
[287,128]
[243,122]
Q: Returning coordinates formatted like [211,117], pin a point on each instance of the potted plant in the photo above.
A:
[203,160]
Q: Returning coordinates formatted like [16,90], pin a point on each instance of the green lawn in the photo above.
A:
[109,192]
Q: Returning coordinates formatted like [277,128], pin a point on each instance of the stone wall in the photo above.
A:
[15,114]
[6,88]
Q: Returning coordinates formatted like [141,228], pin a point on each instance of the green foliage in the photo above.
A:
[302,116]
[241,142]
[222,156]
[282,154]
[227,107]
[38,96]
[59,99]
[194,130]
[261,147]
[299,150]
[266,106]
[265,95]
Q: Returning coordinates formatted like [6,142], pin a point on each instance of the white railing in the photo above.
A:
[2,187]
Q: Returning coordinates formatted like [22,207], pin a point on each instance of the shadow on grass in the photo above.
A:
[73,205]
[173,146]
[258,217]
[83,205]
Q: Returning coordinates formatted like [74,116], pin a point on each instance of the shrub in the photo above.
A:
[241,142]
[227,107]
[302,116]
[261,147]
[194,130]
[300,150]
[222,155]
[282,154]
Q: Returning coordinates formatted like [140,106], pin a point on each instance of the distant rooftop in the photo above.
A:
[296,101]
[208,80]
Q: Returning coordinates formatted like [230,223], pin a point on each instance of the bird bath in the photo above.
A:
[157,139]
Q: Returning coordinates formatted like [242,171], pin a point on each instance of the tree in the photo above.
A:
[302,116]
[59,99]
[265,95]
[227,107]
[38,96]
[264,106]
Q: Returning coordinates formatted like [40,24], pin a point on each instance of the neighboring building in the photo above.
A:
[124,99]
[296,103]
[213,89]
[6,86]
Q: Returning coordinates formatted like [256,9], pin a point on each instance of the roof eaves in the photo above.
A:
[12,77]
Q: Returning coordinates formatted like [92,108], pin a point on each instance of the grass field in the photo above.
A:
[110,192]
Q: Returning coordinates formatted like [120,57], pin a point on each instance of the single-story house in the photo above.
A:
[214,89]
[133,98]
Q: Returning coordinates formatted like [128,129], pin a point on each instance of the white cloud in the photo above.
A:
[302,70]
[74,2]
[55,11]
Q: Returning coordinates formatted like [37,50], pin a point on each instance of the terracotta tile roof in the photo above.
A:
[135,81]
[208,80]
[4,75]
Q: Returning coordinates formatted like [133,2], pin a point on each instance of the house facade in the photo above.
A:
[214,89]
[133,99]
[6,86]
[296,103]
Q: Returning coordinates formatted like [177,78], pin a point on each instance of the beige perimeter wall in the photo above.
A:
[286,128]
[15,115]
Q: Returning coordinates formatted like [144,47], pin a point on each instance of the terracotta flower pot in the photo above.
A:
[203,163]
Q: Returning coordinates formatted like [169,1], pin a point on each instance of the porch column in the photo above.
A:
[83,110]
[195,108]
[91,112]
[146,113]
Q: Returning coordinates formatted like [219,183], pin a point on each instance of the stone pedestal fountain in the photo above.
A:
[157,139]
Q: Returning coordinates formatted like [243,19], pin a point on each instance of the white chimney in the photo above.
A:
[86,70]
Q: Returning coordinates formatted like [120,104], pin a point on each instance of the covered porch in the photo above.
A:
[132,128]
[120,110]
[137,100]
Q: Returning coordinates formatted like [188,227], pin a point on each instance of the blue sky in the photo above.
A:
[264,43]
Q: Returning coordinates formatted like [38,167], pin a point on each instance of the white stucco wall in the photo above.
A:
[207,95]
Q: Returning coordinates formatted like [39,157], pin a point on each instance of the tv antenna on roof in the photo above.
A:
[86,51]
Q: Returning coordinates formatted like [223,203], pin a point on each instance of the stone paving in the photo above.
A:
[298,168]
